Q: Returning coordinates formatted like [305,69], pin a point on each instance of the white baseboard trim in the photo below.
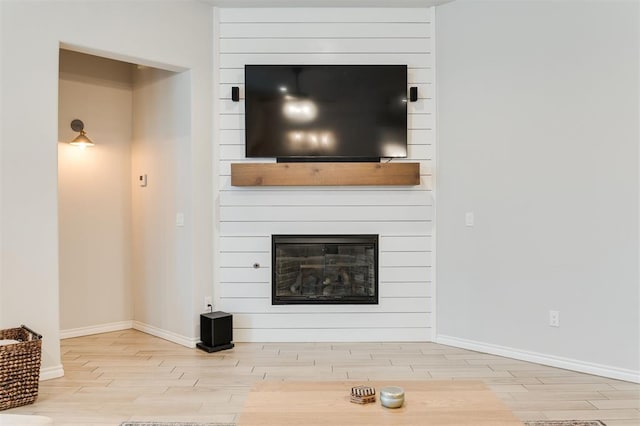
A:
[189,342]
[95,329]
[49,373]
[539,358]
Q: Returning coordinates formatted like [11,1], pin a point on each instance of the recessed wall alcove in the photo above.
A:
[112,229]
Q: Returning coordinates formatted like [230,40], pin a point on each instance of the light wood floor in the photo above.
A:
[129,375]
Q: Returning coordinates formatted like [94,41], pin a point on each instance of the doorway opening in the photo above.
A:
[117,237]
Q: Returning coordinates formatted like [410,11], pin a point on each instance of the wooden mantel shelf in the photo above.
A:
[324,174]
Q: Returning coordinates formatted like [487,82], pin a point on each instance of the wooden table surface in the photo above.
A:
[327,403]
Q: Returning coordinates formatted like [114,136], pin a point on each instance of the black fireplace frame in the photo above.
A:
[344,239]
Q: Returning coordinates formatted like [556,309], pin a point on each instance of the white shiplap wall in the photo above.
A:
[402,216]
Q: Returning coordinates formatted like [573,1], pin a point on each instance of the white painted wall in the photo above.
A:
[401,216]
[162,251]
[538,136]
[2,323]
[174,35]
[94,191]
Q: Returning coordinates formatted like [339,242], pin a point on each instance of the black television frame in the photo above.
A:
[320,158]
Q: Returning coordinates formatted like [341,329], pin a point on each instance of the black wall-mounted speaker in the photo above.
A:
[413,94]
[235,93]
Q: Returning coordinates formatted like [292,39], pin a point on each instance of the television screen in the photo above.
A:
[326,112]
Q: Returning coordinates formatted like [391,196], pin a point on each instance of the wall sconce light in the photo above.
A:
[81,140]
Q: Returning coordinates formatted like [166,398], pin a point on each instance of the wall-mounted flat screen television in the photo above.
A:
[326,112]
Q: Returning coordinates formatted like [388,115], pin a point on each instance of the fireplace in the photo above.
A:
[324,269]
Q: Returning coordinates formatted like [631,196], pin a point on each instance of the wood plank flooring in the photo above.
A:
[129,375]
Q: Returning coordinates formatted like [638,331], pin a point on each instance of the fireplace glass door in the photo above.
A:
[325,269]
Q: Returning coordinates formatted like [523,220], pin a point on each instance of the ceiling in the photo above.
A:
[326,3]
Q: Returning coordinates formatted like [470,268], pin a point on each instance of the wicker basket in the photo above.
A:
[19,367]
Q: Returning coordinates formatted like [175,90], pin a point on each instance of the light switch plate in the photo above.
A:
[469,219]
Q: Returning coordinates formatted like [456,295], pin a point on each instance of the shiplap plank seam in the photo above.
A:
[310,14]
